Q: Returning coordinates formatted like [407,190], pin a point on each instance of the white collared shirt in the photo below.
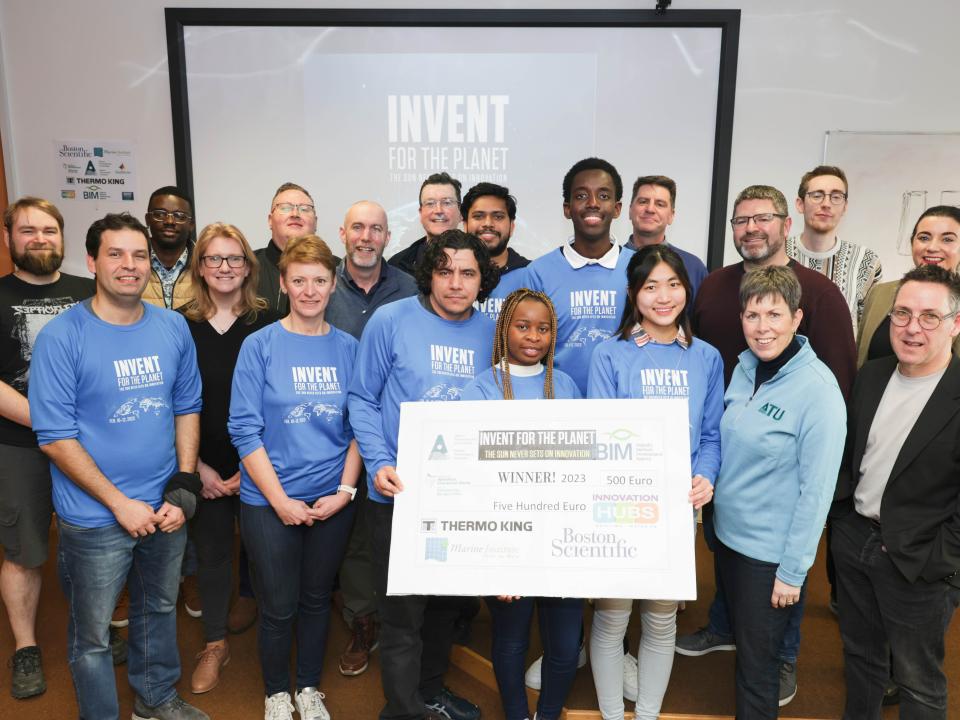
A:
[607,260]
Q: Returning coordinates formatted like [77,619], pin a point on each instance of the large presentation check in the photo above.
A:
[562,498]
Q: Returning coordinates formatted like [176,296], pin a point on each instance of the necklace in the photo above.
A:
[651,358]
[220,328]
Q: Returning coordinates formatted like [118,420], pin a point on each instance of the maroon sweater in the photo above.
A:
[826,320]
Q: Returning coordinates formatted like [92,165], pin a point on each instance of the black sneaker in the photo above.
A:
[891,694]
[175,708]
[118,646]
[788,682]
[28,677]
[447,706]
[703,641]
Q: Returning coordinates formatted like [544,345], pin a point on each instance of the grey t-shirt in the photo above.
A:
[903,400]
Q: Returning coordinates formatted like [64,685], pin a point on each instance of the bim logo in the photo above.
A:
[626,513]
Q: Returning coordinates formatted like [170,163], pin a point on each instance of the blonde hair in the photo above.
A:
[10,214]
[249,304]
[500,337]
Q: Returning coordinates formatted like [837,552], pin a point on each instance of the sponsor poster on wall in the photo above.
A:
[567,498]
[96,170]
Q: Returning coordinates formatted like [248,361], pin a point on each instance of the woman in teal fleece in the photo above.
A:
[782,437]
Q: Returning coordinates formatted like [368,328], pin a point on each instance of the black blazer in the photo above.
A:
[920,509]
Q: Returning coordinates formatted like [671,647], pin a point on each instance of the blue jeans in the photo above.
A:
[881,611]
[758,628]
[561,620]
[293,571]
[719,614]
[93,565]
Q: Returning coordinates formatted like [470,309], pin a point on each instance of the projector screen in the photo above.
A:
[365,104]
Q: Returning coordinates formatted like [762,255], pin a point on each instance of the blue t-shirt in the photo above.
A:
[407,354]
[289,396]
[116,390]
[525,387]
[589,302]
[513,280]
[621,369]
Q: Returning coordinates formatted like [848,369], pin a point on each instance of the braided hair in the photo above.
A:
[500,350]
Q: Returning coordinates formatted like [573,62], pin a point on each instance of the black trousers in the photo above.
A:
[416,631]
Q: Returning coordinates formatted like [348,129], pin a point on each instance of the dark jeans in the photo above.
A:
[416,632]
[719,614]
[758,629]
[212,532]
[881,611]
[561,623]
[357,573]
[94,564]
[294,568]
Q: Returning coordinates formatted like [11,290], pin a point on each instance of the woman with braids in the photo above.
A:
[523,348]
[653,355]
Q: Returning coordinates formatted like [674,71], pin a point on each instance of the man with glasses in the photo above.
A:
[760,228]
[439,212]
[896,517]
[292,215]
[822,198]
[170,221]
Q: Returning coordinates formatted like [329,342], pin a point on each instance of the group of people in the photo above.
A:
[270,400]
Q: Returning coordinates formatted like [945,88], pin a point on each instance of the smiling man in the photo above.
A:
[652,210]
[115,402]
[586,276]
[424,348]
[760,226]
[822,198]
[170,220]
[292,215]
[897,510]
[32,295]
[439,212]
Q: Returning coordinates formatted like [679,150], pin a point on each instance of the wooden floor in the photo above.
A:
[699,687]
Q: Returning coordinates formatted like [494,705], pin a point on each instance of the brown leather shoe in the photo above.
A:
[363,640]
[243,614]
[207,673]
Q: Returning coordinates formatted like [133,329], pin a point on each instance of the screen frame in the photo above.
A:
[728,21]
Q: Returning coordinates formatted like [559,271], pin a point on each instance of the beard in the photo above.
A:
[37,262]
[499,247]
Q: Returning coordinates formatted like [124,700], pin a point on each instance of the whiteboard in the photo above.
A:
[893,177]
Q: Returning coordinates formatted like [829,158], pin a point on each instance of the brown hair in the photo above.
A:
[10,214]
[500,350]
[310,249]
[289,186]
[202,306]
[819,171]
[663,181]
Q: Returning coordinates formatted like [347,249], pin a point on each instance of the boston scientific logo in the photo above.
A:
[572,544]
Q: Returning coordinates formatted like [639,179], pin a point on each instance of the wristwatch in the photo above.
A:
[351,491]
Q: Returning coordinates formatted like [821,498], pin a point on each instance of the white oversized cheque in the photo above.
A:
[562,498]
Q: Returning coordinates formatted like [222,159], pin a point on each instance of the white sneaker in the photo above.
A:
[532,677]
[278,707]
[630,689]
[310,704]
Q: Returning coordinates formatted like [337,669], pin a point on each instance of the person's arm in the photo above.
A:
[708,459]
[374,360]
[330,505]
[602,378]
[187,434]
[264,476]
[135,516]
[13,405]
[831,337]
[820,443]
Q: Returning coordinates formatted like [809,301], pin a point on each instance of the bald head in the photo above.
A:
[364,234]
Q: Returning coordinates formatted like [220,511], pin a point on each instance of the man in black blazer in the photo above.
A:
[896,527]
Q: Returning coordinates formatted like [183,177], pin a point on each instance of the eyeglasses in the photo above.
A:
[836,197]
[215,261]
[287,208]
[161,215]
[759,219]
[927,320]
[445,203]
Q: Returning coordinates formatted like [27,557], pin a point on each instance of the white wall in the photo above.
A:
[98,70]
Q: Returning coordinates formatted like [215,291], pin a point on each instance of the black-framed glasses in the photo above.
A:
[287,208]
[160,215]
[215,261]
[927,320]
[836,197]
[758,219]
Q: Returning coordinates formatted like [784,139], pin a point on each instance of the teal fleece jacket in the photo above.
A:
[780,454]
